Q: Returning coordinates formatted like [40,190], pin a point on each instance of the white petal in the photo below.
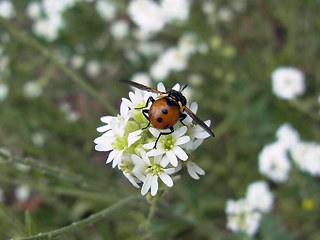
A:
[165,161]
[127,103]
[104,128]
[176,87]
[149,145]
[133,137]
[103,148]
[170,171]
[112,155]
[155,152]
[192,173]
[202,135]
[180,153]
[182,140]
[136,159]
[155,132]
[146,185]
[161,87]
[172,158]
[106,119]
[124,110]
[131,179]
[179,132]
[166,179]
[194,107]
[154,185]
[117,159]
[145,157]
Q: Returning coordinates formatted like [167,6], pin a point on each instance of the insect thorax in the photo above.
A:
[177,96]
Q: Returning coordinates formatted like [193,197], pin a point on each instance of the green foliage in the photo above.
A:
[69,180]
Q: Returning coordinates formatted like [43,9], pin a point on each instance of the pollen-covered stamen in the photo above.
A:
[120,143]
[168,143]
[155,169]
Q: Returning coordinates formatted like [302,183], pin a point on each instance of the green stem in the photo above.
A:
[28,40]
[82,223]
[52,171]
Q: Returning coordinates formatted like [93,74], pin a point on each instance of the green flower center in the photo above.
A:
[120,143]
[155,169]
[168,143]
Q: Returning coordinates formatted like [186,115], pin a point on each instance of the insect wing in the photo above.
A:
[140,86]
[199,121]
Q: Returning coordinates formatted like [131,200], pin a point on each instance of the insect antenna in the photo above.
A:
[183,87]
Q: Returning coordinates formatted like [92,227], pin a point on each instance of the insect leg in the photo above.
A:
[150,99]
[182,117]
[163,133]
[145,113]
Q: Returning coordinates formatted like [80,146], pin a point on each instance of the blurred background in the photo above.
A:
[60,66]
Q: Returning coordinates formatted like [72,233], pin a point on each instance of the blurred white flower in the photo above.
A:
[188,43]
[22,193]
[307,156]
[53,7]
[34,10]
[142,78]
[7,9]
[32,89]
[37,139]
[208,7]
[148,171]
[225,14]
[175,59]
[274,162]
[93,68]
[49,27]
[106,9]
[159,70]
[120,29]
[149,49]
[259,196]
[77,61]
[175,10]
[287,135]
[4,89]
[241,217]
[194,170]
[147,14]
[288,82]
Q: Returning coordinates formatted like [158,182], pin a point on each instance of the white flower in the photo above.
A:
[49,27]
[169,145]
[34,10]
[142,78]
[175,10]
[159,70]
[149,170]
[225,14]
[106,10]
[120,29]
[288,82]
[188,43]
[77,61]
[259,196]
[22,193]
[287,135]
[4,89]
[32,89]
[147,14]
[114,138]
[175,59]
[6,9]
[307,156]
[274,162]
[241,217]
[93,68]
[194,170]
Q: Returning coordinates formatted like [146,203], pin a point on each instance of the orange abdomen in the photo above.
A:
[163,114]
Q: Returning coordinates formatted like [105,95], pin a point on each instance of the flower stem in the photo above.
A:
[52,171]
[29,41]
[82,223]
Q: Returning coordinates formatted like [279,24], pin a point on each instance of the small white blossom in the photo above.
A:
[287,135]
[142,78]
[22,193]
[7,9]
[38,139]
[169,145]
[259,196]
[147,14]
[106,10]
[241,217]
[274,162]
[77,61]
[4,89]
[93,68]
[32,89]
[307,156]
[34,10]
[175,10]
[288,82]
[148,171]
[120,29]
[194,170]
[49,27]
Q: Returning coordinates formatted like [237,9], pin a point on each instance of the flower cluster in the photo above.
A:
[274,159]
[244,215]
[131,144]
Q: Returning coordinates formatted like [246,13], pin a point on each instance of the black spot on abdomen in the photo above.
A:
[164,111]
[159,119]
